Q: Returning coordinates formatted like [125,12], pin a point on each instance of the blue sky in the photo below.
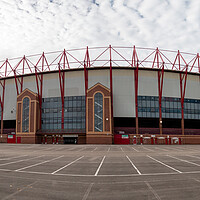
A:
[34,26]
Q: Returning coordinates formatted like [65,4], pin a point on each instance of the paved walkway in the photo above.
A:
[90,172]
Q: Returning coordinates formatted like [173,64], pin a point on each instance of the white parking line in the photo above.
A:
[99,166]
[135,149]
[134,165]
[108,175]
[48,148]
[12,157]
[178,149]
[164,164]
[121,149]
[153,191]
[94,149]
[20,160]
[81,149]
[193,156]
[45,149]
[192,163]
[67,165]
[87,192]
[148,149]
[108,149]
[38,163]
[161,149]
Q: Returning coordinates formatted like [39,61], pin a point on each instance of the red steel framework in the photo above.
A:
[111,56]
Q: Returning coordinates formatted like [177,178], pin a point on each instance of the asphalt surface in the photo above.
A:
[93,172]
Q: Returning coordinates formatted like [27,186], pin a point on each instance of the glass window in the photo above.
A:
[98,112]
[25,115]
[148,106]
[74,108]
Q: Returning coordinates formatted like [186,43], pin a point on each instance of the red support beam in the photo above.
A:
[183,81]
[86,66]
[135,64]
[62,91]
[159,62]
[160,89]
[39,81]
[111,83]
[157,59]
[19,79]
[61,69]
[136,99]
[2,84]
[2,95]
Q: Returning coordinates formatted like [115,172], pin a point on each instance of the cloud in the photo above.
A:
[28,27]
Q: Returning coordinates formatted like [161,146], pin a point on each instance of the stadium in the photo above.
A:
[101,95]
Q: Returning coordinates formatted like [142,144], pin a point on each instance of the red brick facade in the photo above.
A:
[27,137]
[104,137]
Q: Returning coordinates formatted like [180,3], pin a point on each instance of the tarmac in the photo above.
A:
[94,172]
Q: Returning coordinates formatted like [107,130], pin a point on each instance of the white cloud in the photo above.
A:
[33,26]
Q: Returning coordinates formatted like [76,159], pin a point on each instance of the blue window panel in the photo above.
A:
[25,115]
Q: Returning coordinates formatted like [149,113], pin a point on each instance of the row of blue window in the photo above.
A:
[74,113]
[148,106]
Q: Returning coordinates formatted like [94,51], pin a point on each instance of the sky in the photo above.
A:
[33,26]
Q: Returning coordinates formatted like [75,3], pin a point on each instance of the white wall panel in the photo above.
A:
[30,83]
[51,87]
[10,100]
[74,83]
[171,87]
[123,93]
[148,83]
[193,87]
[99,76]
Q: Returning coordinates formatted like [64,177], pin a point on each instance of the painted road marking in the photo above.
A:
[135,149]
[147,149]
[67,165]
[192,163]
[111,175]
[161,149]
[39,163]
[94,149]
[12,157]
[178,149]
[153,191]
[164,164]
[100,166]
[121,149]
[81,149]
[87,192]
[134,165]
[108,149]
[20,160]
[194,156]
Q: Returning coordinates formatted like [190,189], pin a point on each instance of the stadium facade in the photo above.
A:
[103,95]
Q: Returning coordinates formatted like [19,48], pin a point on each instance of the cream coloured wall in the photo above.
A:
[147,83]
[193,87]
[123,87]
[99,76]
[123,93]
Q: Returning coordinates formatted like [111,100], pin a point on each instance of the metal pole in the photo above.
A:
[86,65]
[160,89]
[2,106]
[136,99]
[111,86]
[136,65]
